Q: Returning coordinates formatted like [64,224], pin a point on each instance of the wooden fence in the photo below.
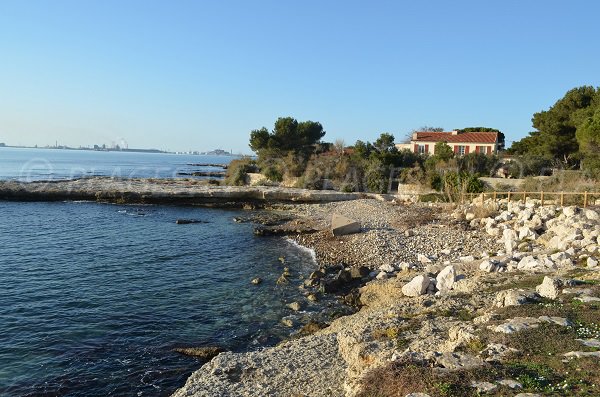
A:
[580,198]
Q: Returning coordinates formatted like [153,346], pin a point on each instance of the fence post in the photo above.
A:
[585,199]
[542,198]
[495,195]
[524,197]
[562,199]
[509,196]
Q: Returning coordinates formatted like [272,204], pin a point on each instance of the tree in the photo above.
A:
[385,143]
[588,138]
[443,151]
[288,135]
[555,135]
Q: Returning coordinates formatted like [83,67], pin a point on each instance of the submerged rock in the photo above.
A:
[204,352]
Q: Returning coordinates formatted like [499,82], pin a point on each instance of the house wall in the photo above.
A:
[431,146]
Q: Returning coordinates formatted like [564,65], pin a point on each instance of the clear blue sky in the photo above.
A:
[197,75]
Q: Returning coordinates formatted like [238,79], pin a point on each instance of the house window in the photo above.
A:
[422,149]
[461,150]
[481,149]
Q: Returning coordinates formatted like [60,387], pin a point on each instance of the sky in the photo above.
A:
[184,75]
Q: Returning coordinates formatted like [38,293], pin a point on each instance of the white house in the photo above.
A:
[461,142]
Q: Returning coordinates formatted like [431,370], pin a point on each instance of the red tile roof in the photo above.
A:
[466,137]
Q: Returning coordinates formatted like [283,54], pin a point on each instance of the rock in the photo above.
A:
[484,387]
[387,268]
[256,280]
[549,288]
[578,354]
[469,216]
[295,306]
[204,352]
[316,275]
[569,211]
[514,297]
[409,233]
[587,299]
[513,384]
[381,276]
[288,322]
[526,233]
[446,278]
[458,361]
[423,259]
[417,395]
[188,221]
[467,259]
[487,266]
[340,225]
[312,297]
[359,272]
[509,237]
[592,262]
[283,279]
[416,287]
[523,323]
[589,342]
[591,215]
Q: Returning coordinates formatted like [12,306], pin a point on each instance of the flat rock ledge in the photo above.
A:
[310,366]
[154,191]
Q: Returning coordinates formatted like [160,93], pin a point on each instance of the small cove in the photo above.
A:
[95,297]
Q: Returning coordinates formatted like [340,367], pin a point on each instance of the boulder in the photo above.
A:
[592,262]
[359,271]
[256,280]
[446,278]
[514,297]
[488,266]
[526,233]
[387,268]
[423,258]
[483,387]
[549,288]
[591,215]
[340,225]
[569,211]
[295,306]
[205,352]
[509,237]
[417,286]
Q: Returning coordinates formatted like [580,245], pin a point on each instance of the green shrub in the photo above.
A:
[237,171]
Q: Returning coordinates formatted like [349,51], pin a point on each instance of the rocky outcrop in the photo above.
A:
[173,191]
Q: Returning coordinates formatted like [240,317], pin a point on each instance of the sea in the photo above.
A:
[94,298]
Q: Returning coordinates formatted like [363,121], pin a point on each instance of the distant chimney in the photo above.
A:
[414,136]
[454,132]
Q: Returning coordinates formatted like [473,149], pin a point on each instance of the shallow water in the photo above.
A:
[94,297]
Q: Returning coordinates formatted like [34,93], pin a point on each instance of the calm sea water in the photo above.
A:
[94,297]
[55,164]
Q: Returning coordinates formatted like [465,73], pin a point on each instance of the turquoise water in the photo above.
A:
[55,164]
[94,297]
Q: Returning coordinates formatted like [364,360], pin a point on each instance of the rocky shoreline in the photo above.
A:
[164,191]
[452,292]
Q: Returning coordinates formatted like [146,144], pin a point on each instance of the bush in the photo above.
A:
[237,171]
[272,173]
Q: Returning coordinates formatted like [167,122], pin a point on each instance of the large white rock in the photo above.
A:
[387,268]
[549,288]
[488,266]
[570,211]
[591,215]
[592,262]
[423,258]
[416,287]
[526,233]
[509,237]
[446,278]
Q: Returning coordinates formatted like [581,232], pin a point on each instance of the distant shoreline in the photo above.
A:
[88,149]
